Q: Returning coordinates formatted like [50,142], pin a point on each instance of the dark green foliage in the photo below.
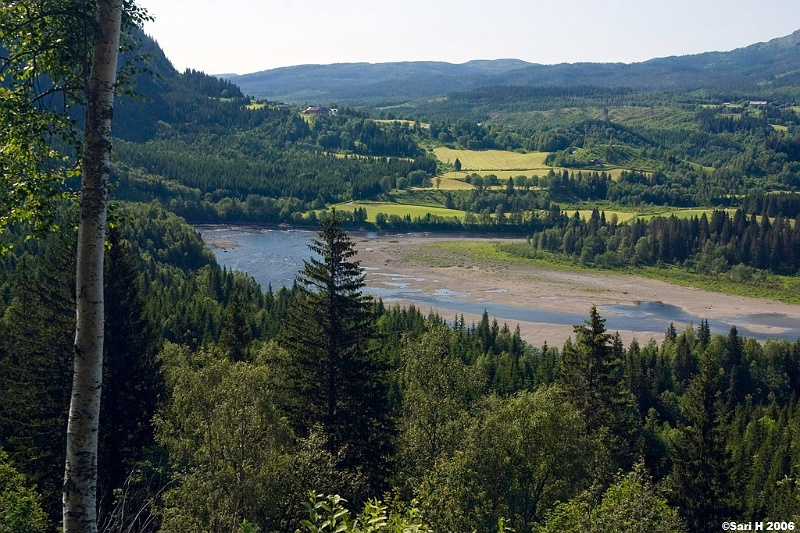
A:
[20,506]
[703,244]
[632,503]
[133,384]
[227,443]
[234,338]
[438,390]
[478,433]
[592,374]
[149,279]
[334,377]
[519,456]
[36,377]
[700,481]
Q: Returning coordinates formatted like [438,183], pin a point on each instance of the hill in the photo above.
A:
[768,65]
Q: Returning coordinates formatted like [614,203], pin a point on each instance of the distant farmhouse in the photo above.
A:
[755,103]
[314,110]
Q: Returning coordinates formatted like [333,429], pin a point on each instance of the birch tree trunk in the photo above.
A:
[80,472]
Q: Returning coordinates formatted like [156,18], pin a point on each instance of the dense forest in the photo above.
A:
[257,398]
[230,407]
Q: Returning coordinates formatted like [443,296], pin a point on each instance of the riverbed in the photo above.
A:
[545,303]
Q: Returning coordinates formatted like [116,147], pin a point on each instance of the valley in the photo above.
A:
[488,297]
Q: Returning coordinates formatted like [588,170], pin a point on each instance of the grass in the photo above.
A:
[339,155]
[485,160]
[684,213]
[773,287]
[504,164]
[622,216]
[452,181]
[401,210]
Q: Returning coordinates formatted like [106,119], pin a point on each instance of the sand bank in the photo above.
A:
[430,270]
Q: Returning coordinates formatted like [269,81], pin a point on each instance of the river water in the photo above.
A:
[274,256]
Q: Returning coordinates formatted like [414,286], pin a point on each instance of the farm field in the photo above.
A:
[494,160]
[683,213]
[622,216]
[504,164]
[401,210]
[452,181]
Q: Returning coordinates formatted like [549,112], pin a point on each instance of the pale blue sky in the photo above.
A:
[243,36]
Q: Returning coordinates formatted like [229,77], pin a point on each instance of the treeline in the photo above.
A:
[352,132]
[706,245]
[468,425]
[291,173]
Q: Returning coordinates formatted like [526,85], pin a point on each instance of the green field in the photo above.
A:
[452,181]
[502,163]
[401,210]
[495,160]
[684,213]
[622,216]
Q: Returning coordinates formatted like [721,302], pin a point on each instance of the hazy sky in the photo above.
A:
[243,36]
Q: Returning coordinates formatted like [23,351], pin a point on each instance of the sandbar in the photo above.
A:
[429,270]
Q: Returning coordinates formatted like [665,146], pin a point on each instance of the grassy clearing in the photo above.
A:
[452,181]
[492,159]
[622,216]
[505,164]
[401,210]
[781,288]
[684,213]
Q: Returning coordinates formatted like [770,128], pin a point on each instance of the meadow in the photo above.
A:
[503,163]
[683,213]
[494,160]
[401,210]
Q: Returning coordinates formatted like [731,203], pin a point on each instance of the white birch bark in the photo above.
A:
[80,472]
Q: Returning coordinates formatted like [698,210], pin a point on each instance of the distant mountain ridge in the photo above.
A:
[771,64]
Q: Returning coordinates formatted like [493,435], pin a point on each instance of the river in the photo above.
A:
[274,256]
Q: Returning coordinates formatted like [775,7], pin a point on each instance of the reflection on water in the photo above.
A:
[275,256]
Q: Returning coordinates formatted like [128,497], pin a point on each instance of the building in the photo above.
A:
[316,110]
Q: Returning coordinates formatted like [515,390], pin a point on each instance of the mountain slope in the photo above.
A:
[772,64]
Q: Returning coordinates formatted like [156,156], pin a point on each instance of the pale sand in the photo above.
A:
[545,289]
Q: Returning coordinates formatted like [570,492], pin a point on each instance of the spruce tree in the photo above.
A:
[132,380]
[700,479]
[35,368]
[334,378]
[592,373]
